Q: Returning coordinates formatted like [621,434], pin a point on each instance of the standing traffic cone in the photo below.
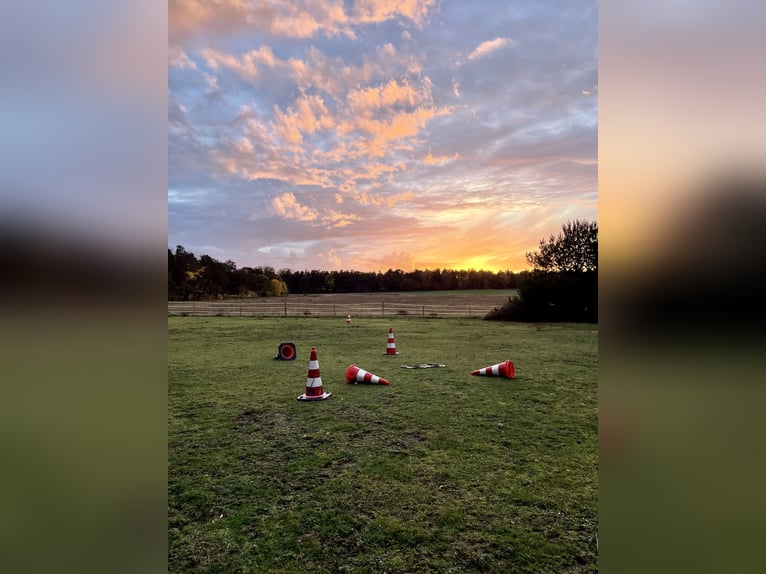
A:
[504,369]
[314,390]
[356,375]
[391,345]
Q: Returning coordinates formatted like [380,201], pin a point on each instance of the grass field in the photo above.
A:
[438,472]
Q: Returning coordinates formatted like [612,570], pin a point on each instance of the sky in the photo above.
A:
[377,134]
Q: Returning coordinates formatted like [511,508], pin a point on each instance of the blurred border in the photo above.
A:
[682,213]
[83,231]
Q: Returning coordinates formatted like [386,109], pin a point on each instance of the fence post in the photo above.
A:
[423,312]
[333,310]
[469,310]
[194,308]
[285,308]
[382,308]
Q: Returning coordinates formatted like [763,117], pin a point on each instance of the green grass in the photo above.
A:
[438,472]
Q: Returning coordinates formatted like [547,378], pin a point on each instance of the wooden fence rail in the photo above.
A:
[277,308]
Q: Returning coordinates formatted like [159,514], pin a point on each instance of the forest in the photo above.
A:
[203,278]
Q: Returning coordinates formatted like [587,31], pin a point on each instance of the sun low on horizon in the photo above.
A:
[379,134]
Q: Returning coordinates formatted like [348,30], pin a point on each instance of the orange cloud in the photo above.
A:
[311,115]
[398,260]
[287,206]
[439,160]
[186,17]
[367,11]
[379,200]
[247,66]
[335,219]
[368,100]
[360,121]
[287,126]
[298,19]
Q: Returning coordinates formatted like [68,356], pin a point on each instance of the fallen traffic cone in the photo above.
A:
[391,345]
[286,352]
[314,390]
[504,369]
[356,375]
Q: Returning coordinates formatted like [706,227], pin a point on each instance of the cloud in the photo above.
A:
[394,131]
[488,47]
[333,76]
[336,219]
[439,160]
[309,116]
[366,101]
[247,66]
[366,198]
[368,11]
[177,58]
[190,19]
[328,134]
[287,206]
[396,260]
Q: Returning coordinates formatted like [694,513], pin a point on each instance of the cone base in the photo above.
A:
[500,376]
[321,397]
[390,354]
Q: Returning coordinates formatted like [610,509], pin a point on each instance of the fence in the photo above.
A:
[285,308]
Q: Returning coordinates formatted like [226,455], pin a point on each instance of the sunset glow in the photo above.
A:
[376,134]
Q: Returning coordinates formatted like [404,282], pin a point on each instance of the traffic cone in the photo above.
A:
[314,389]
[286,352]
[356,375]
[391,345]
[504,369]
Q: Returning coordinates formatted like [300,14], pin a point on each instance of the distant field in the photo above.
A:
[464,303]
[438,472]
[464,296]
[478,294]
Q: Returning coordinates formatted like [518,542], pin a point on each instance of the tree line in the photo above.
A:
[562,286]
[204,278]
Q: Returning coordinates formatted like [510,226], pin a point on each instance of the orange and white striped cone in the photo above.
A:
[356,375]
[314,389]
[391,345]
[504,369]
